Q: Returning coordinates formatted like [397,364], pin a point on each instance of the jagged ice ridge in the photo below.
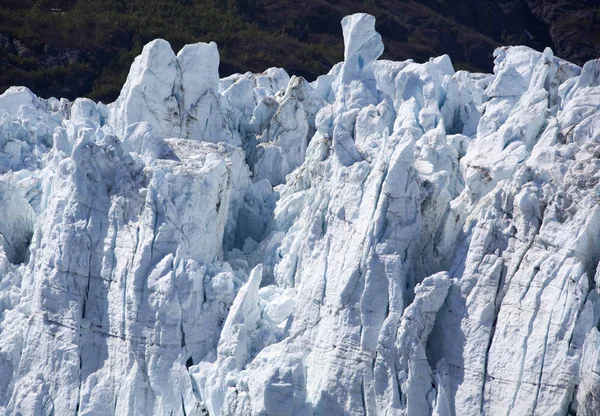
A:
[394,238]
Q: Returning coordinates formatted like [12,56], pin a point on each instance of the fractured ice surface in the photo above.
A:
[395,238]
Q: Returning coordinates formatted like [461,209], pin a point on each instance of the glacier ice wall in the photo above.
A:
[395,238]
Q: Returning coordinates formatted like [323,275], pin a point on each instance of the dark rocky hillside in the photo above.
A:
[70,48]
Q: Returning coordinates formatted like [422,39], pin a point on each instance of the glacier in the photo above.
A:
[394,238]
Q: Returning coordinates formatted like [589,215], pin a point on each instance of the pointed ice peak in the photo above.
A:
[176,94]
[444,63]
[523,59]
[156,67]
[362,46]
[148,92]
[156,55]
[548,54]
[360,37]
[14,97]
[590,75]
[199,64]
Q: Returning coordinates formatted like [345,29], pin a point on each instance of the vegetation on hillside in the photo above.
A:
[76,48]
[110,33]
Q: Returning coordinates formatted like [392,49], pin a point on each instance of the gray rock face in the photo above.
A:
[54,56]
[21,49]
[431,245]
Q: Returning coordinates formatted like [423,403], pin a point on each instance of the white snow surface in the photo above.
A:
[395,238]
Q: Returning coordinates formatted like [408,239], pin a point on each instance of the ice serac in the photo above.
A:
[17,228]
[125,279]
[149,94]
[395,238]
[362,46]
[178,95]
[414,374]
[282,145]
